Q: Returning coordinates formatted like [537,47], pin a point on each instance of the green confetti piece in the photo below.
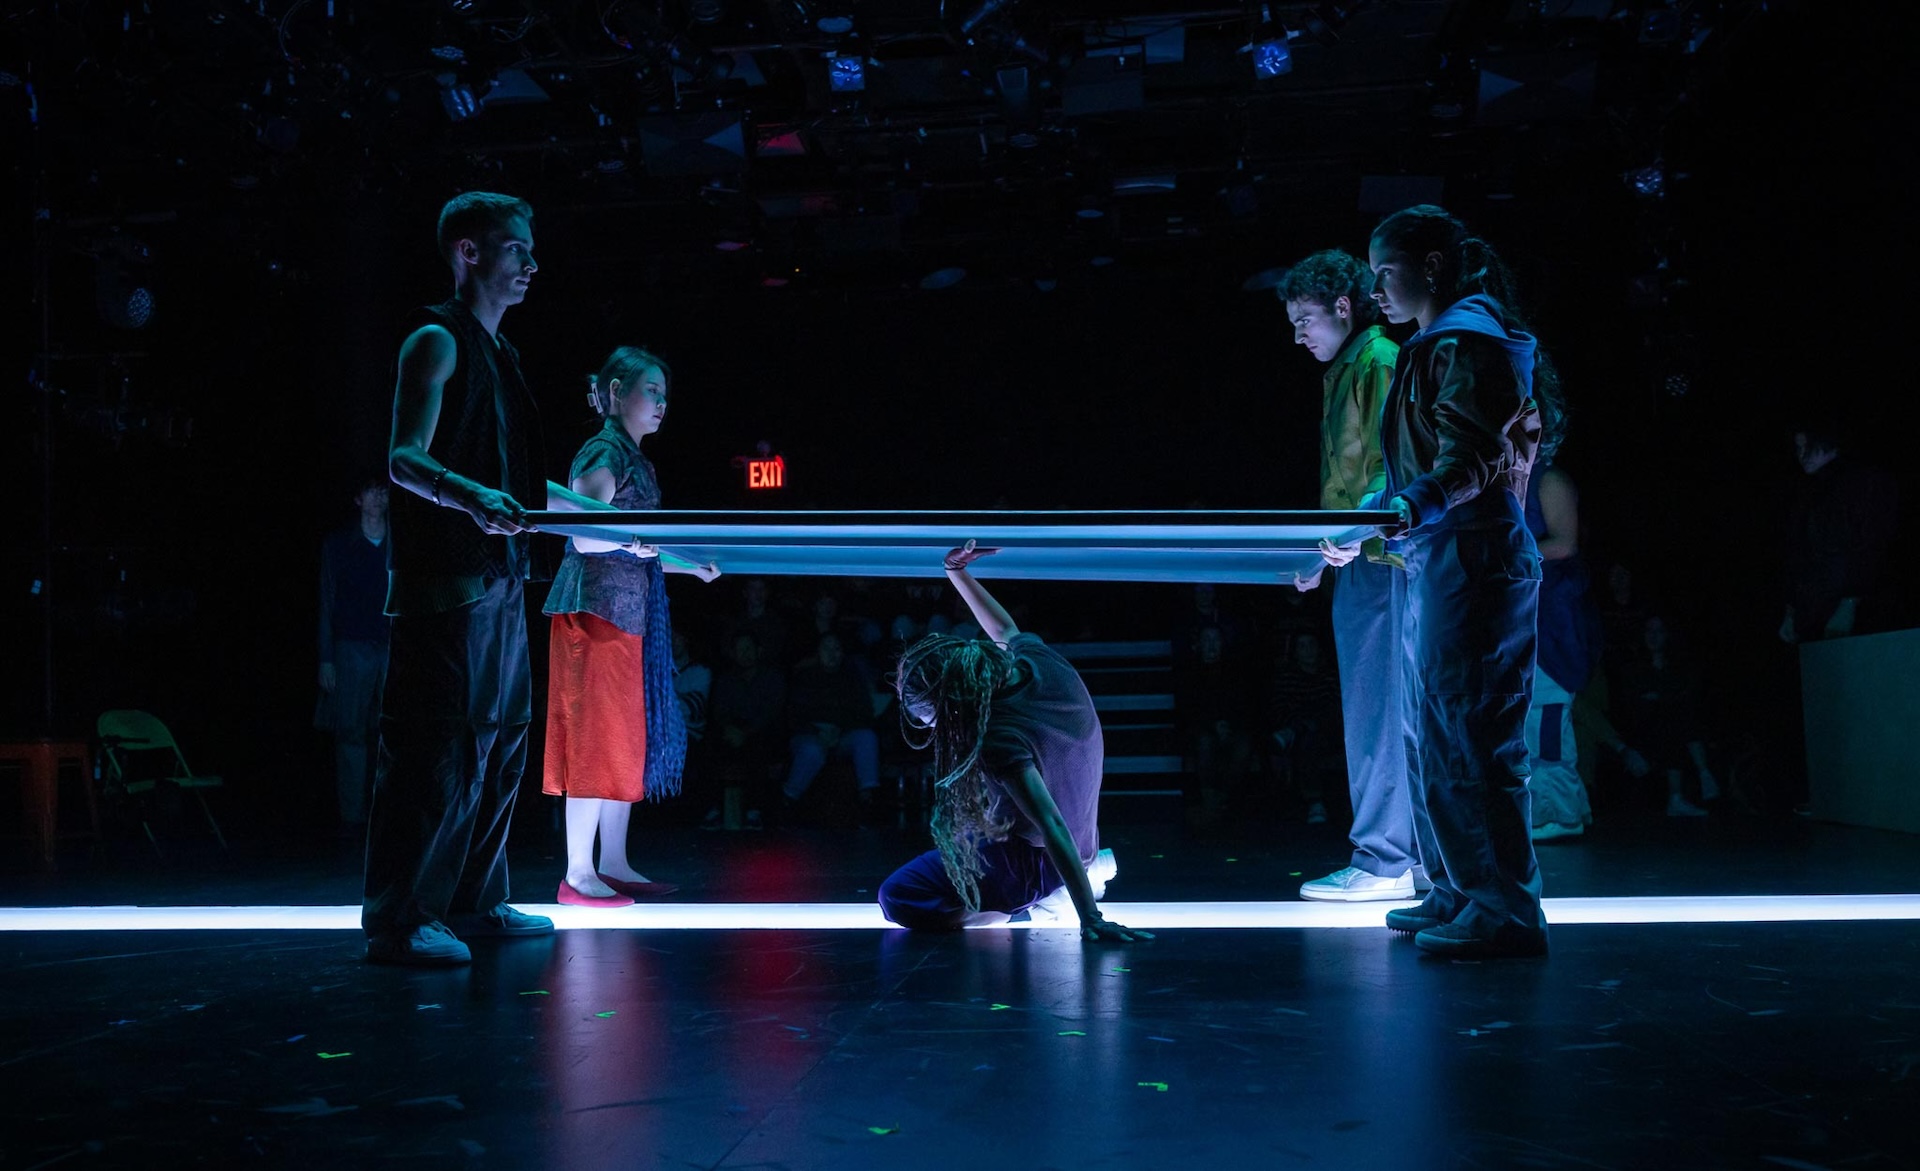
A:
[605,1015]
[1233,859]
[883,1130]
[1293,874]
[1117,971]
[537,992]
[331,1056]
[1160,1087]
[1072,1033]
[999,1007]
[1156,855]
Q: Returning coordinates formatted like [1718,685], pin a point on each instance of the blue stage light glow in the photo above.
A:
[847,74]
[1272,58]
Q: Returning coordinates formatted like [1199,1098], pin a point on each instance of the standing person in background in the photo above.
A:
[459,693]
[615,733]
[1336,320]
[1570,644]
[693,684]
[830,713]
[354,632]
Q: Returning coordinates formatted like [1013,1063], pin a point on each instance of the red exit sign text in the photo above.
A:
[767,473]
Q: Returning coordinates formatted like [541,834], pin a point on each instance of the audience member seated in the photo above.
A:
[1216,722]
[1206,611]
[1304,715]
[830,715]
[693,685]
[745,720]
[1657,699]
[756,617]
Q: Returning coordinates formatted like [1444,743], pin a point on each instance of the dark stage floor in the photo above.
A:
[1684,1045]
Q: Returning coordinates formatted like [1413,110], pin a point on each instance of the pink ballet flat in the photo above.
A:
[639,890]
[574,898]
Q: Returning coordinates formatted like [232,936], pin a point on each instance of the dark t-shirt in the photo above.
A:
[1048,721]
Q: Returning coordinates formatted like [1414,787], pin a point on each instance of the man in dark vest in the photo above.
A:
[453,720]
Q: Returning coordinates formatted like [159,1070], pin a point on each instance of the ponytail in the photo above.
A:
[1469,265]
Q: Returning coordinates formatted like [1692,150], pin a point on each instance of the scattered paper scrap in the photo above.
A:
[998,1007]
[883,1130]
[1158,1086]
[1164,1040]
[1117,971]
[331,1056]
[1293,874]
[537,992]
[424,1007]
[606,1014]
[296,1037]
[1072,1033]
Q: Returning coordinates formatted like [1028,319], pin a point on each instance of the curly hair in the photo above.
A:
[946,687]
[1469,265]
[1325,277]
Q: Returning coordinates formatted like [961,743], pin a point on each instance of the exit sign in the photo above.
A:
[767,473]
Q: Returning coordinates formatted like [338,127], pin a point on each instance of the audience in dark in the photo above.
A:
[1217,722]
[1304,718]
[830,713]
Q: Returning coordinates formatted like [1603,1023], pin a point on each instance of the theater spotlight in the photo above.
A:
[847,75]
[1272,56]
[460,99]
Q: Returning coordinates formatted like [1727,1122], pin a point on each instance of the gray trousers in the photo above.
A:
[1368,601]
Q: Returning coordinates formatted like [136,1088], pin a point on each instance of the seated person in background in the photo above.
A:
[1215,718]
[1018,756]
[693,686]
[756,617]
[830,713]
[1205,610]
[1656,698]
[1304,715]
[744,719]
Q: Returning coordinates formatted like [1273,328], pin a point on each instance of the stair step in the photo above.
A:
[1136,765]
[1076,652]
[1162,702]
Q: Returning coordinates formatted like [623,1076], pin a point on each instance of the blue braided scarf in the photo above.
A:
[666,725]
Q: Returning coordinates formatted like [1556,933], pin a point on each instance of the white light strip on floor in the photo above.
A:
[866,916]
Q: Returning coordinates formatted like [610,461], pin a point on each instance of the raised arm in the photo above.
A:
[427,359]
[990,614]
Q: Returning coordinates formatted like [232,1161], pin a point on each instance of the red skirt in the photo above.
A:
[596,711]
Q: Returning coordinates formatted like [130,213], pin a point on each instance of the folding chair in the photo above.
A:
[125,732]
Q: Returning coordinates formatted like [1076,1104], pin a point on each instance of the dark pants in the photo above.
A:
[360,674]
[1472,596]
[1367,601]
[453,744]
[920,897]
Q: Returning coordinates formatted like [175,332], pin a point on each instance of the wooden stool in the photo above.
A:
[40,762]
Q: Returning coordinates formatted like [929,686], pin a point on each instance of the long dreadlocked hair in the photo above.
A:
[946,687]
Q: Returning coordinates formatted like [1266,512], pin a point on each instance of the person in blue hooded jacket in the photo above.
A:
[1460,431]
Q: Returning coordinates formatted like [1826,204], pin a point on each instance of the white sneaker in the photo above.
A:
[1678,806]
[1100,872]
[1059,905]
[1354,885]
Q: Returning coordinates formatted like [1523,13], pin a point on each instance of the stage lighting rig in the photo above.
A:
[1272,54]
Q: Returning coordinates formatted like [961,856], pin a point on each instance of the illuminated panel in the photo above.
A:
[866,916]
